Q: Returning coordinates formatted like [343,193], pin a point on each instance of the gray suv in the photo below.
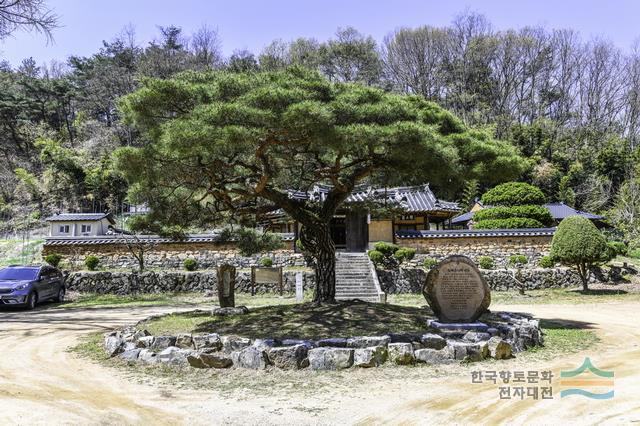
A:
[27,285]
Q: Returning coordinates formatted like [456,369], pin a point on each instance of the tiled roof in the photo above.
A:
[410,198]
[462,233]
[558,211]
[115,239]
[79,217]
[463,218]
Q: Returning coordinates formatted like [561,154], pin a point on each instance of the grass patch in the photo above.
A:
[562,338]
[152,299]
[90,346]
[84,300]
[301,321]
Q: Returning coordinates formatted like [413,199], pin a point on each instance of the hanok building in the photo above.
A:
[80,224]
[357,226]
[558,211]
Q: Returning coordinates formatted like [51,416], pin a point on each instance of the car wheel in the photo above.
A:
[60,297]
[32,301]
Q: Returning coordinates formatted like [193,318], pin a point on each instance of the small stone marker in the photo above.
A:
[456,291]
[299,287]
[226,286]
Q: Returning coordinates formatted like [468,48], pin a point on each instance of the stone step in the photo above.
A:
[357,285]
[364,299]
[354,279]
[352,292]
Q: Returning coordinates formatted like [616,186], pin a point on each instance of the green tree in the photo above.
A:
[236,144]
[578,243]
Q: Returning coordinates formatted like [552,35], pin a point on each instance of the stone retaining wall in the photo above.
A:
[171,255]
[173,281]
[499,248]
[499,336]
[410,280]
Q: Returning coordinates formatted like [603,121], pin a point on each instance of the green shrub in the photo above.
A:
[53,259]
[486,262]
[518,260]
[513,194]
[91,262]
[578,243]
[404,253]
[429,262]
[512,223]
[546,262]
[376,256]
[635,253]
[618,248]
[386,248]
[190,264]
[539,213]
[266,262]
[251,241]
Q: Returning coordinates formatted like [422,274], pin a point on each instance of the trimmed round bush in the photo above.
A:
[513,194]
[512,223]
[385,248]
[578,243]
[486,262]
[404,253]
[53,259]
[266,262]
[518,260]
[190,264]
[91,262]
[539,213]
[546,262]
[376,256]
[429,262]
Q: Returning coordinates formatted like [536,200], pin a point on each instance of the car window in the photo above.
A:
[18,274]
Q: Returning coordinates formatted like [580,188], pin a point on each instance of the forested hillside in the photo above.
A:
[571,105]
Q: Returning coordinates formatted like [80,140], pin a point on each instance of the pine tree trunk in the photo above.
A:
[317,241]
[584,275]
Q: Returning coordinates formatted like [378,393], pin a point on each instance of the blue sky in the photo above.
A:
[253,24]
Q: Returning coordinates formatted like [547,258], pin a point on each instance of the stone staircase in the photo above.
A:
[356,278]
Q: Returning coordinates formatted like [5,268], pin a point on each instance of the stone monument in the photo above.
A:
[226,286]
[456,291]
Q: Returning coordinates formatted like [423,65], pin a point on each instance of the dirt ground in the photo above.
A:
[42,383]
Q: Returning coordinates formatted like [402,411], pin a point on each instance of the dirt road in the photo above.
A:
[41,383]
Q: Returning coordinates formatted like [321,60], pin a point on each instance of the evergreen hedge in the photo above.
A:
[513,194]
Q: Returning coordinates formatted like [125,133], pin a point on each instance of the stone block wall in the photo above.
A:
[174,281]
[499,248]
[411,280]
[212,254]
[170,255]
